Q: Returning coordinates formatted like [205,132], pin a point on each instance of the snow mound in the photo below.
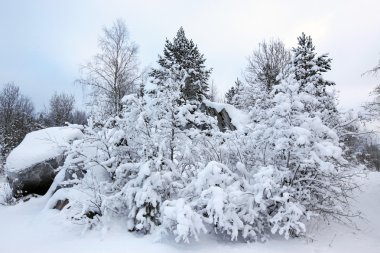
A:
[41,145]
[238,118]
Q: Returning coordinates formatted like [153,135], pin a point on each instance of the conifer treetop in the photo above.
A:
[308,66]
[185,54]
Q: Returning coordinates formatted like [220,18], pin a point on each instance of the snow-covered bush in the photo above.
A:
[180,218]
[223,198]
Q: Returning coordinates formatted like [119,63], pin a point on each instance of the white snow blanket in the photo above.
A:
[30,227]
[41,145]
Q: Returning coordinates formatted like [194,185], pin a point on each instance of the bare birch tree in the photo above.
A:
[61,107]
[114,72]
[267,63]
[16,117]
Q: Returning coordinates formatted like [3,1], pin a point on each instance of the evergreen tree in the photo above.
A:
[232,92]
[146,152]
[185,54]
[303,159]
[308,70]
[307,66]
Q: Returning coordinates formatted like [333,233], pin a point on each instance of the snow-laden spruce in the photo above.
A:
[308,170]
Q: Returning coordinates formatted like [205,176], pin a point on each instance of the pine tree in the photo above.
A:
[307,66]
[308,70]
[232,92]
[185,54]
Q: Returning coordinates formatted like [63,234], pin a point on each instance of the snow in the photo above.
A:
[29,227]
[41,145]
[238,118]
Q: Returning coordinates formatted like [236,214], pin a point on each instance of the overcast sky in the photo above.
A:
[43,43]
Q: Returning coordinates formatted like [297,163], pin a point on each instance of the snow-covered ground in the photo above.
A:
[29,227]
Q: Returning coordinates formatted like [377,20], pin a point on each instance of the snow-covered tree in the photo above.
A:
[231,94]
[308,69]
[158,176]
[184,53]
[304,153]
[145,152]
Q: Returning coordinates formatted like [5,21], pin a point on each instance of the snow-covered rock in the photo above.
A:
[228,117]
[30,167]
